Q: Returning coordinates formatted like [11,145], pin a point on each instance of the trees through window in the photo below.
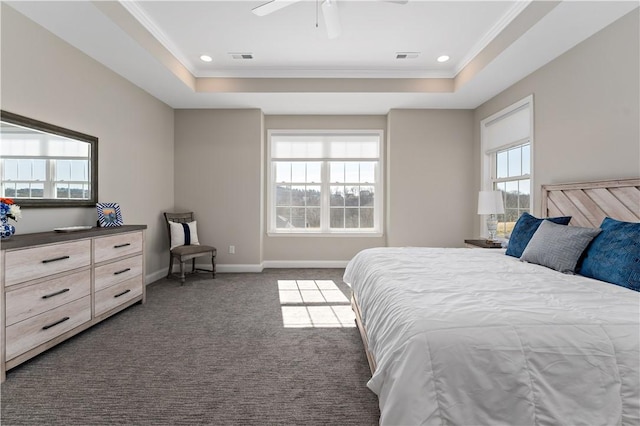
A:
[511,176]
[325,182]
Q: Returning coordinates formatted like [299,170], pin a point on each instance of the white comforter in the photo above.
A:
[470,337]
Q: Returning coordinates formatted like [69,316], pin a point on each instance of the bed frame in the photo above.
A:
[363,333]
[588,203]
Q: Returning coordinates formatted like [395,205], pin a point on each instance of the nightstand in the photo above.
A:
[483,244]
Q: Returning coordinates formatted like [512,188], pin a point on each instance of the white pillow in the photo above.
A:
[183,234]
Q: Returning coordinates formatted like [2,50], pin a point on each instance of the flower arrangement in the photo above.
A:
[9,209]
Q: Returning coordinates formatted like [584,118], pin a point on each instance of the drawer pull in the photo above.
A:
[123,293]
[122,272]
[122,245]
[46,327]
[64,290]
[55,259]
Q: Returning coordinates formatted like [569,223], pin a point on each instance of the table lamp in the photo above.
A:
[490,203]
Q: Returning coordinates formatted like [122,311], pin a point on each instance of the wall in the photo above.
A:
[586,109]
[430,178]
[46,79]
[327,251]
[218,163]
[586,128]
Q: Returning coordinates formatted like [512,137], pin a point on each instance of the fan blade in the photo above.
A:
[272,6]
[331,18]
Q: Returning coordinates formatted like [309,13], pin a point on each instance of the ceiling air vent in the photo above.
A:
[241,55]
[407,55]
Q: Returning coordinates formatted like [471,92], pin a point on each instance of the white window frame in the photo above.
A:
[488,162]
[50,182]
[325,230]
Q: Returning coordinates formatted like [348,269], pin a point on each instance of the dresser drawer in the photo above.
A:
[37,262]
[35,299]
[107,248]
[121,270]
[117,294]
[28,334]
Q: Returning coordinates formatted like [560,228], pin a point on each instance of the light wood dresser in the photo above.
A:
[55,285]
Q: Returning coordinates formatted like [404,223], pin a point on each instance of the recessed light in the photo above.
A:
[206,58]
[443,58]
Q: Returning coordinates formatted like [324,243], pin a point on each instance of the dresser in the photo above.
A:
[57,284]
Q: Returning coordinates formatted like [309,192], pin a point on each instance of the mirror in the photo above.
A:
[42,165]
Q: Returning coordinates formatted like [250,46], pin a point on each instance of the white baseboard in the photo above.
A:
[239,268]
[231,268]
[254,268]
[155,276]
[305,263]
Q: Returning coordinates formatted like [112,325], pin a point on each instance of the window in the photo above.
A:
[507,143]
[43,166]
[511,176]
[325,182]
[23,177]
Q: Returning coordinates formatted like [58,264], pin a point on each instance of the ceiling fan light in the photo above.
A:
[331,18]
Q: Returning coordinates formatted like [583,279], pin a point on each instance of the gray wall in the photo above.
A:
[320,249]
[218,163]
[586,114]
[45,78]
[430,167]
[586,128]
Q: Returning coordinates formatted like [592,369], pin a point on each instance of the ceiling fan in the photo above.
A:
[329,12]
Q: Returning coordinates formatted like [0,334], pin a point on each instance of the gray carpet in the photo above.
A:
[210,352]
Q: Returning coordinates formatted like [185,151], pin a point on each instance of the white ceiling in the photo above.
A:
[287,44]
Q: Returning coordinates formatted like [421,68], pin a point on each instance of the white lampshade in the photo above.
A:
[490,202]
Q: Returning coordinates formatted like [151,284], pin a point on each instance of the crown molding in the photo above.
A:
[493,32]
[134,8]
[150,25]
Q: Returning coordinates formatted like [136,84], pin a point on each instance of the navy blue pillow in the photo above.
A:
[614,255]
[524,229]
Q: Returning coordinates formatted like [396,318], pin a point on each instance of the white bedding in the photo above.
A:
[471,336]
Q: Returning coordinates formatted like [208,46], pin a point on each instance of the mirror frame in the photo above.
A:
[19,120]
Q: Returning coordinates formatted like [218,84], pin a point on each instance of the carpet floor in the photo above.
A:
[210,352]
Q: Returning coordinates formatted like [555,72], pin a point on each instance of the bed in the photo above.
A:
[472,336]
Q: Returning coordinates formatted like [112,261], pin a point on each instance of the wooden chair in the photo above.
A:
[187,252]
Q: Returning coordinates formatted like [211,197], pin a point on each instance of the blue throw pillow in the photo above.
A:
[524,229]
[614,255]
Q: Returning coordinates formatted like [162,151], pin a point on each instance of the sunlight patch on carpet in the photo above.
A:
[314,304]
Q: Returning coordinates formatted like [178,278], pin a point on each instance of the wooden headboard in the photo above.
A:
[589,203]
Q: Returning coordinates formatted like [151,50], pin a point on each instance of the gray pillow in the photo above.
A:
[558,247]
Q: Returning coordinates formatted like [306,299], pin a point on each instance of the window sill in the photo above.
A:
[326,234]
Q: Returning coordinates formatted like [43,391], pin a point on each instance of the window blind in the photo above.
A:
[509,129]
[325,146]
